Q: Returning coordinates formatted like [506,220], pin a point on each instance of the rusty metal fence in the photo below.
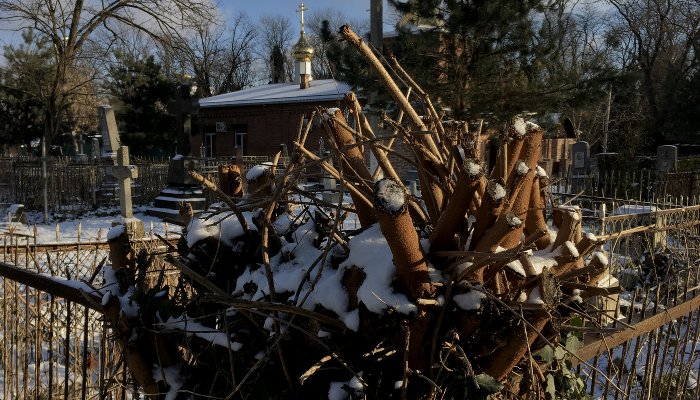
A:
[74,188]
[644,343]
[52,348]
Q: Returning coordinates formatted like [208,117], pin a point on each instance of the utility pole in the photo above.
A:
[376,21]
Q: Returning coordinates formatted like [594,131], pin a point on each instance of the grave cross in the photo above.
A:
[124,172]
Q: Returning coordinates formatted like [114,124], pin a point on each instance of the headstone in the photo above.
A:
[179,168]
[110,132]
[124,173]
[581,162]
[330,185]
[666,158]
[184,107]
[95,148]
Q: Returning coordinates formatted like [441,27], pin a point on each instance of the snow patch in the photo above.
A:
[541,172]
[256,172]
[224,225]
[522,168]
[473,168]
[602,258]
[531,126]
[171,376]
[115,232]
[390,195]
[192,328]
[497,191]
[519,126]
[576,296]
[469,301]
[535,296]
[571,248]
[330,112]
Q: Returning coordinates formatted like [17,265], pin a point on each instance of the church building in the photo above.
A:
[258,120]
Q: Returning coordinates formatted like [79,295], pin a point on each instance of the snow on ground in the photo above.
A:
[92,227]
[634,209]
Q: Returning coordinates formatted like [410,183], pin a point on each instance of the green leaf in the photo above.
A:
[551,388]
[488,384]
[546,354]
[572,343]
[560,353]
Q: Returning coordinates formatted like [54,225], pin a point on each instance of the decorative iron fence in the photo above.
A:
[74,188]
[52,348]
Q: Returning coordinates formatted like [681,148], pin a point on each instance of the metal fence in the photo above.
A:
[52,348]
[641,185]
[643,343]
[74,188]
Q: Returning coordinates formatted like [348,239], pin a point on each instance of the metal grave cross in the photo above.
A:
[124,174]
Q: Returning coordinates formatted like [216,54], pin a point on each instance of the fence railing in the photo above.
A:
[642,185]
[52,348]
[74,188]
[644,343]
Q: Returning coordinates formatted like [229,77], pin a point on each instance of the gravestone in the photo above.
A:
[108,153]
[666,158]
[124,173]
[178,170]
[183,107]
[12,213]
[110,132]
[580,166]
[181,187]
[581,163]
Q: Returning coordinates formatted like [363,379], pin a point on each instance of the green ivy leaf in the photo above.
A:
[560,353]
[551,388]
[572,343]
[488,385]
[546,354]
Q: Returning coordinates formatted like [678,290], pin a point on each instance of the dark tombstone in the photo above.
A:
[181,187]
[179,168]
[184,107]
[581,163]
[666,158]
[580,166]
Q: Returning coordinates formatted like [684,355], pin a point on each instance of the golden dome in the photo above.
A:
[303,51]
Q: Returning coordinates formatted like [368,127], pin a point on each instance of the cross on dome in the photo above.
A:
[301,10]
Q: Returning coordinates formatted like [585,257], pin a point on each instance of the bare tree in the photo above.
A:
[664,35]
[276,34]
[219,59]
[238,72]
[70,26]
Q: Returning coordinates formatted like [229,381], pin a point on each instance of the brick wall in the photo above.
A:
[266,126]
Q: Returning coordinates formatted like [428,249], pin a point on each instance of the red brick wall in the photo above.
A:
[268,126]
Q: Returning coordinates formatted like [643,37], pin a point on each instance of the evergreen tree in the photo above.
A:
[277,61]
[471,51]
[139,92]
[345,63]
[22,81]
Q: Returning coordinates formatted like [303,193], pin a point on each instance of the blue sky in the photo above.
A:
[355,10]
